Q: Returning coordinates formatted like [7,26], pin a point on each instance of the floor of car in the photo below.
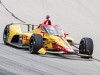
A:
[19,45]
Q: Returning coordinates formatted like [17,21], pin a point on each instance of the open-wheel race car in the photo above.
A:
[46,38]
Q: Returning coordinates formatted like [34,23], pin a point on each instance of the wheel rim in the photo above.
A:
[32,43]
[82,47]
[5,35]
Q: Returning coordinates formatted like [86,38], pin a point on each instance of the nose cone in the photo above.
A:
[62,44]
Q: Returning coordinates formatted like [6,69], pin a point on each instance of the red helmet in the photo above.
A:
[47,17]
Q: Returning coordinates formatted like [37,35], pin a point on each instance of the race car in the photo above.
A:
[46,38]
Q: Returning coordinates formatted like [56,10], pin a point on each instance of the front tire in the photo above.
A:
[86,47]
[36,43]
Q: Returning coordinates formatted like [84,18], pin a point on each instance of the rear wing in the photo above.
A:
[29,25]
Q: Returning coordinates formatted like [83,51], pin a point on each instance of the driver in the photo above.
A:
[47,21]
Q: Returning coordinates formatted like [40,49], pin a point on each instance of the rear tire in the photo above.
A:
[86,47]
[6,34]
[36,43]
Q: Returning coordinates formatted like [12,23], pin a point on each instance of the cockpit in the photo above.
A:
[52,30]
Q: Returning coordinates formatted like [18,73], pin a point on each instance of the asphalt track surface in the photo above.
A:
[79,18]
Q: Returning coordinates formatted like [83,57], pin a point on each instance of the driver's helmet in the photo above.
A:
[47,17]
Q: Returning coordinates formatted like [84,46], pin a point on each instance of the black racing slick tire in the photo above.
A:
[36,43]
[6,34]
[86,47]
